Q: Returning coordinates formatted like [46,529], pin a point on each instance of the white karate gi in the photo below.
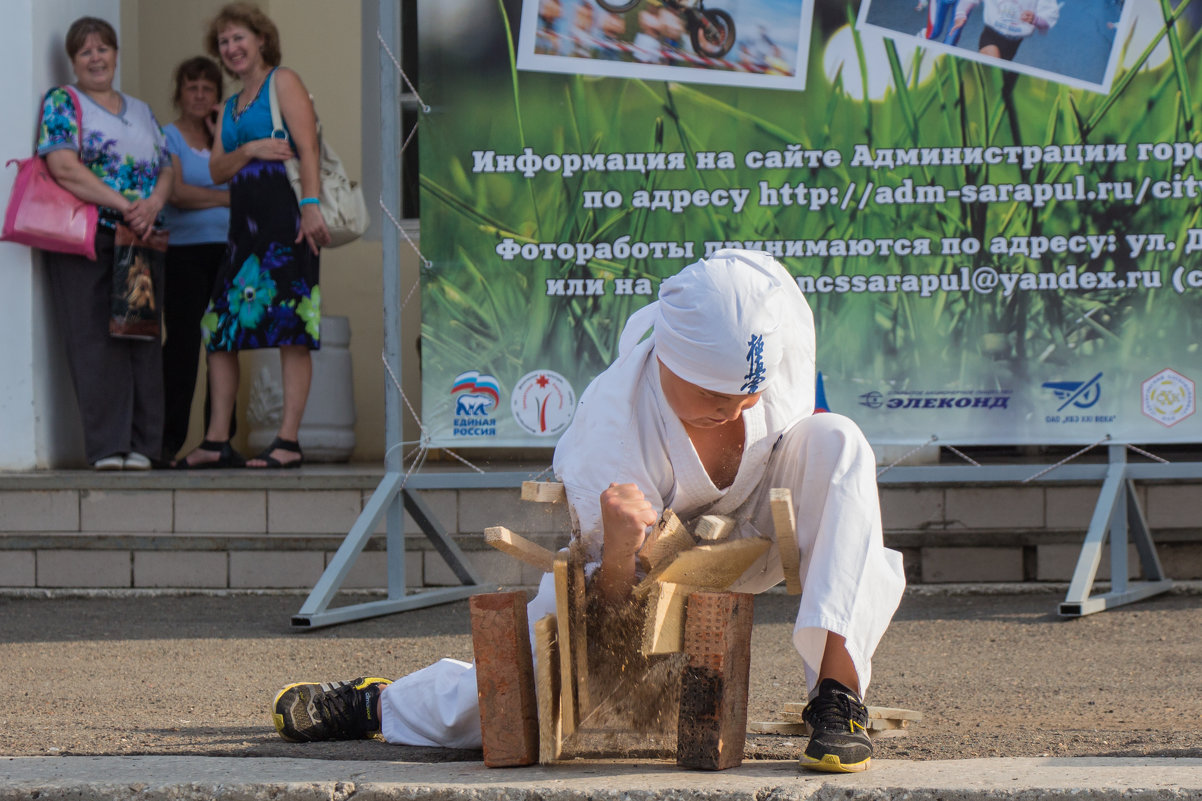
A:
[624,431]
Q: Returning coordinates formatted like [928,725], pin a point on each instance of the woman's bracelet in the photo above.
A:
[309,201]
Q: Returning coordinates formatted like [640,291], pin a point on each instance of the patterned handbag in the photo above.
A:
[134,308]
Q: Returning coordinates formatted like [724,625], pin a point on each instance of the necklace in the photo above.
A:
[246,85]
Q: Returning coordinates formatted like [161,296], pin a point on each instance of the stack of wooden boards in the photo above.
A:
[672,664]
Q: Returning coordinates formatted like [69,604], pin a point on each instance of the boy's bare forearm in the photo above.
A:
[615,577]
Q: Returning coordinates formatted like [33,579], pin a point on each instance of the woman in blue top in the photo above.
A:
[267,293]
[198,218]
[108,150]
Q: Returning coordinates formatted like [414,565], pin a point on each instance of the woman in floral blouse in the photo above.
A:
[267,293]
[108,150]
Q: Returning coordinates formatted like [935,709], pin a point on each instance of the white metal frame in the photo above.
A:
[1118,519]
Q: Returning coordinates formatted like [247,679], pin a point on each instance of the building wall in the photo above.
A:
[323,40]
[328,42]
[39,423]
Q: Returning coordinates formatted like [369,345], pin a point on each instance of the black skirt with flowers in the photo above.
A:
[267,292]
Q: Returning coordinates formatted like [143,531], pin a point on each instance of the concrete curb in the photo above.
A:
[174,778]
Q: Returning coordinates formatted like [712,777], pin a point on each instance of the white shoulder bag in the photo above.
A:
[342,203]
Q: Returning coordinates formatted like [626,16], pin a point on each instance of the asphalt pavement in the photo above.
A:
[166,696]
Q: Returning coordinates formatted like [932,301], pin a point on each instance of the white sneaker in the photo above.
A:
[136,461]
[114,462]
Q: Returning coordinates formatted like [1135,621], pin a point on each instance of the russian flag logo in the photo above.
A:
[478,383]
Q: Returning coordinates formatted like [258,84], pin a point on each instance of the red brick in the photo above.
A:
[505,679]
[712,727]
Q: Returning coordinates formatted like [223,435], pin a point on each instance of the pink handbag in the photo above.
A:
[41,214]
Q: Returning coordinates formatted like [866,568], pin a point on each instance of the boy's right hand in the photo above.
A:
[625,515]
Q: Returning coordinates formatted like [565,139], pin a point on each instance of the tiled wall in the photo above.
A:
[284,537]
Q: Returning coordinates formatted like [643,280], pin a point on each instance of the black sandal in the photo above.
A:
[228,457]
[273,463]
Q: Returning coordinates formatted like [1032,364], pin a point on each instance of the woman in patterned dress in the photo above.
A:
[267,293]
[109,151]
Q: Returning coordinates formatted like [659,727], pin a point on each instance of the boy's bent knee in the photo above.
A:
[827,430]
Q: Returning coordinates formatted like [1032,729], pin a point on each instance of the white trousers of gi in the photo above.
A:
[852,584]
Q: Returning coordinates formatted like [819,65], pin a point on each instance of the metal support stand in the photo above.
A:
[386,500]
[1117,516]
[395,494]
[1117,519]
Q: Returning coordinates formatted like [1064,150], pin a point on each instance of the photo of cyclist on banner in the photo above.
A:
[680,40]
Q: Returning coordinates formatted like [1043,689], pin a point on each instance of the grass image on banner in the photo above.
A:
[487,311]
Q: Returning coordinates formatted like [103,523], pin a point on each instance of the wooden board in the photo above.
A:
[713,528]
[713,567]
[519,547]
[667,538]
[785,523]
[792,729]
[546,689]
[781,727]
[663,629]
[567,664]
[543,492]
[793,710]
[883,721]
[579,628]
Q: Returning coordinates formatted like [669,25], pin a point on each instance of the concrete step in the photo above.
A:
[236,529]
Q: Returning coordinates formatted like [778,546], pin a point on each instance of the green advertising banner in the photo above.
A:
[991,205]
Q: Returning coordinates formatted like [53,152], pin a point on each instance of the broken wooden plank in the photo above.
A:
[519,547]
[712,567]
[563,617]
[712,725]
[666,520]
[505,679]
[668,537]
[883,721]
[577,604]
[783,728]
[663,629]
[879,728]
[784,521]
[713,528]
[793,710]
[546,690]
[893,713]
[543,491]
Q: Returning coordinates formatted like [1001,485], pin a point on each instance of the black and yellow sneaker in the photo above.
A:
[839,721]
[340,710]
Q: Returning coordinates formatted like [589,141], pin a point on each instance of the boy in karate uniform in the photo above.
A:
[708,406]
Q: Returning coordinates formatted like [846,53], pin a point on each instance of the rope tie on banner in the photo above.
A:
[417,456]
[401,70]
[404,235]
[419,453]
[1065,460]
[905,456]
[963,455]
[1142,452]
[425,109]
